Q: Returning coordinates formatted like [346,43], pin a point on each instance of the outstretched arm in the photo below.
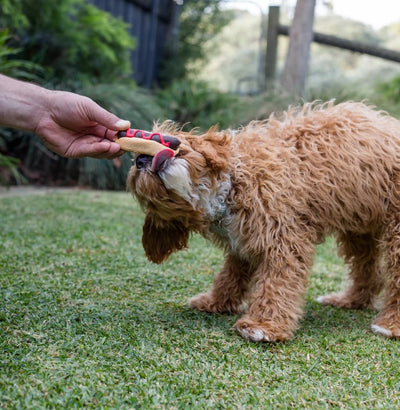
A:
[69,124]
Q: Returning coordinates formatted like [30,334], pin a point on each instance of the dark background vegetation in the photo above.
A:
[75,46]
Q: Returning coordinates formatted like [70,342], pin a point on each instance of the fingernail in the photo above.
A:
[122,124]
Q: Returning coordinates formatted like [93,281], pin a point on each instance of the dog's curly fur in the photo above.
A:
[268,194]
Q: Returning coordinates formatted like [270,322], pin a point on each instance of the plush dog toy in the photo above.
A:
[142,142]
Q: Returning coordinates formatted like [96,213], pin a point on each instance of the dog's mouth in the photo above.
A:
[156,163]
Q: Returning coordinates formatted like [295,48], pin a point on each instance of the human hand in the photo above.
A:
[75,126]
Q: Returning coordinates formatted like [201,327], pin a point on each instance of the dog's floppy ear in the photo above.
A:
[161,238]
[214,146]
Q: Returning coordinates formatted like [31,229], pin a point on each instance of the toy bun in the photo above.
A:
[142,142]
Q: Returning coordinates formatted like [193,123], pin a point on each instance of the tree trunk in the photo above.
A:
[294,75]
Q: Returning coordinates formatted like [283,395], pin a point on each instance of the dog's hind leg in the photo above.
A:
[228,290]
[387,322]
[362,254]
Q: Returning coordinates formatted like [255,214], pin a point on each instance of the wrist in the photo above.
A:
[22,105]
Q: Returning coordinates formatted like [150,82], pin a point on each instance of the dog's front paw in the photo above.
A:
[206,303]
[260,332]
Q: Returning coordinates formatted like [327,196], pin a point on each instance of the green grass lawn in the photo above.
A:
[86,321]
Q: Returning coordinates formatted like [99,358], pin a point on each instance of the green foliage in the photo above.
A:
[199,21]
[9,169]
[11,66]
[12,13]
[87,322]
[234,53]
[18,69]
[391,89]
[127,101]
[197,103]
[69,38]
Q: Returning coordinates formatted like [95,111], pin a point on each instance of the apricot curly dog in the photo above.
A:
[267,195]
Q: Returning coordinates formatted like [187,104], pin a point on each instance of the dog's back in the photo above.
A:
[337,165]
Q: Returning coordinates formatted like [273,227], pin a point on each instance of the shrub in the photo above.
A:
[11,66]
[9,167]
[391,89]
[69,38]
[18,69]
[199,21]
[195,102]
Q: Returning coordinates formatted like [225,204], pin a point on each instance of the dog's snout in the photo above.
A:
[142,161]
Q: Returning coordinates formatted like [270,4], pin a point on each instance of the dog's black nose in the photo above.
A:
[142,161]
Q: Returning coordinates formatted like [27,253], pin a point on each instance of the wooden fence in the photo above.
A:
[275,29]
[154,24]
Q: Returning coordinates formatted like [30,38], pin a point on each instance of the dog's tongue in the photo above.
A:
[160,158]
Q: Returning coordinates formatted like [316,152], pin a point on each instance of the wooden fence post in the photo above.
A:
[294,75]
[272,45]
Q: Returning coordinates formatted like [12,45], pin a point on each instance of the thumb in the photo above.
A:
[108,120]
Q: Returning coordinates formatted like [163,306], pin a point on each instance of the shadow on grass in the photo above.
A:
[317,322]
[334,322]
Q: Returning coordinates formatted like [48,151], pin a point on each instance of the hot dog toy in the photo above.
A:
[148,143]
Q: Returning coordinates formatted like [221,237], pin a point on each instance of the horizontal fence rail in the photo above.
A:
[275,29]
[351,45]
